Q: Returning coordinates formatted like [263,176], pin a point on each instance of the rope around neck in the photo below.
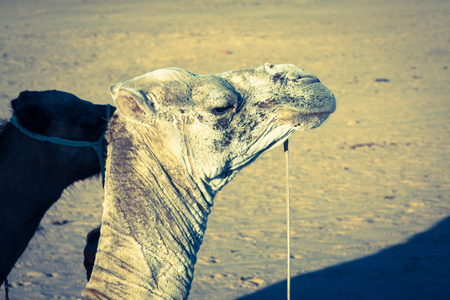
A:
[96,146]
[288,221]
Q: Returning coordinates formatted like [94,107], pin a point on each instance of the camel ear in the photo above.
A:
[132,103]
[24,97]
[32,118]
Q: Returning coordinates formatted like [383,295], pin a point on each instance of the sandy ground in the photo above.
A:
[370,187]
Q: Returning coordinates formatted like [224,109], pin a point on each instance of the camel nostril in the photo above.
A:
[308,80]
[303,78]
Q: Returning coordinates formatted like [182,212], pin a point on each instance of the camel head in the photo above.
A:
[62,115]
[218,124]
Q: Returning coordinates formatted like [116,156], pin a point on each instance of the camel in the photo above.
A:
[35,173]
[177,139]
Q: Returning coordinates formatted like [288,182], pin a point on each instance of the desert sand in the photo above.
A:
[369,188]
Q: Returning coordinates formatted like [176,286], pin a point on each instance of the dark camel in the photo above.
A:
[35,173]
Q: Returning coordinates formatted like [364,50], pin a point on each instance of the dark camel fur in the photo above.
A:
[34,173]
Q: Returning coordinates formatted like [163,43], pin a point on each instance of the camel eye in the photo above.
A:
[221,110]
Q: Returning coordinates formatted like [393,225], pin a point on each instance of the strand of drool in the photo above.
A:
[288,221]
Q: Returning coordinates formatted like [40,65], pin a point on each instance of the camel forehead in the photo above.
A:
[211,88]
[173,86]
[167,86]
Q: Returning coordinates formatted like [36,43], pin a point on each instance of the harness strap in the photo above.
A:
[96,146]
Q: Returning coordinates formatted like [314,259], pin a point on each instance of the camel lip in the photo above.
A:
[314,121]
[322,113]
[315,113]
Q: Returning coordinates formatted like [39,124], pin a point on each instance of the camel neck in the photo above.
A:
[153,224]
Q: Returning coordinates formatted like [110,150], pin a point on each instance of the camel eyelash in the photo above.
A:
[221,110]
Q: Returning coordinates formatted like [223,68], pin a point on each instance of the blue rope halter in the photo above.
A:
[96,146]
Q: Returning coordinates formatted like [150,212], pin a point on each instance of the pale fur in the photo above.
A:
[175,141]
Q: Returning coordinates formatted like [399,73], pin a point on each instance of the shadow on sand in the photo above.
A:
[417,269]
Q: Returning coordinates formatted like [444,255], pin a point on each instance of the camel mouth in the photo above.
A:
[311,121]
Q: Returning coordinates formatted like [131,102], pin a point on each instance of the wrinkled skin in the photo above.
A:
[175,141]
[33,173]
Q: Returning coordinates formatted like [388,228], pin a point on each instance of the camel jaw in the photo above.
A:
[299,122]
